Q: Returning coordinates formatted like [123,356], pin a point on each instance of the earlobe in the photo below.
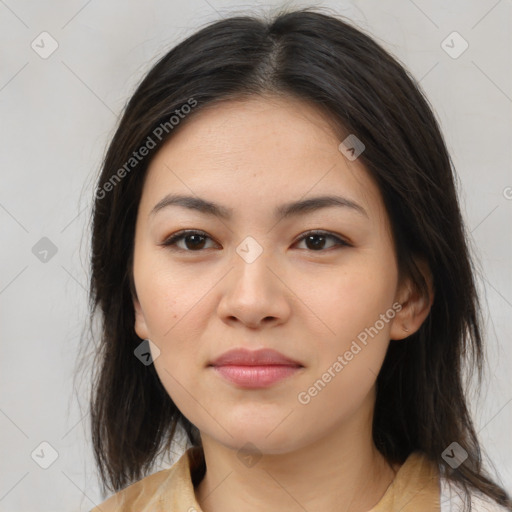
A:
[140,322]
[415,303]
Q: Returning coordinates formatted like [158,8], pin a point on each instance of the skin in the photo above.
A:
[307,303]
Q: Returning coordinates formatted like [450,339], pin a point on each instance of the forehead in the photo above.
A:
[253,152]
[243,127]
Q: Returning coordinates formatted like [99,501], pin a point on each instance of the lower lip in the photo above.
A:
[256,376]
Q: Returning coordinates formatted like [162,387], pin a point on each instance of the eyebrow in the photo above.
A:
[293,208]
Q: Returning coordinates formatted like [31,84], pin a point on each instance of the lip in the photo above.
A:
[255,369]
[262,357]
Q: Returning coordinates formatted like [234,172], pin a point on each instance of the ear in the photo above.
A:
[415,304]
[140,321]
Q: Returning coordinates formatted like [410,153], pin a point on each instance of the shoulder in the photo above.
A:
[453,500]
[135,495]
[168,489]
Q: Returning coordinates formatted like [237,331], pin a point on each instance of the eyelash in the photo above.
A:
[180,235]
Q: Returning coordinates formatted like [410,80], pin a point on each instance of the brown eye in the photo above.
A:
[196,241]
[317,240]
[193,241]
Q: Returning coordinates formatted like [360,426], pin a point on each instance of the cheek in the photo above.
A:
[173,303]
[350,300]
[355,309]
[353,347]
[167,296]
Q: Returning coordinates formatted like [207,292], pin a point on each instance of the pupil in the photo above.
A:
[317,245]
[195,244]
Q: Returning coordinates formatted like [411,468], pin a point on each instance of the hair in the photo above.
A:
[421,402]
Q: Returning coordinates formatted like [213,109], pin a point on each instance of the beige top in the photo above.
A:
[415,488]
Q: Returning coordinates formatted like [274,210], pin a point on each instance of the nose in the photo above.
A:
[255,294]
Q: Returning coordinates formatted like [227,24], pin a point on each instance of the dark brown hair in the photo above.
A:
[421,401]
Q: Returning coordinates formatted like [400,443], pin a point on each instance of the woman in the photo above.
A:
[281,269]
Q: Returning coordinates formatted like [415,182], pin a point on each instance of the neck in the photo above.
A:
[343,471]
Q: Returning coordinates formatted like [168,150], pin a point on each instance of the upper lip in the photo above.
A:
[262,357]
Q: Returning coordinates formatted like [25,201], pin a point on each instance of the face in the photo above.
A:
[255,277]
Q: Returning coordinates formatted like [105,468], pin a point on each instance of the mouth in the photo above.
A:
[261,357]
[254,377]
[255,369]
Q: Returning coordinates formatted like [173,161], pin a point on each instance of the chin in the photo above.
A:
[253,438]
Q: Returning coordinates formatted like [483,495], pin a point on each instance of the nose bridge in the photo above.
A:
[252,292]
[251,262]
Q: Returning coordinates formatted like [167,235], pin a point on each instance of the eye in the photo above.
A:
[194,241]
[315,240]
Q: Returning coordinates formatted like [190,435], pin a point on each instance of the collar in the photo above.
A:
[415,488]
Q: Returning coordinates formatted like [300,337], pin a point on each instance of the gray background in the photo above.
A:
[57,114]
